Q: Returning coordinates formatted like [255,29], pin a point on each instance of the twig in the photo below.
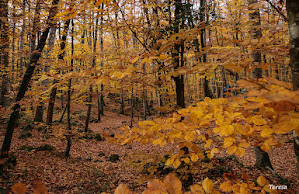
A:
[280,13]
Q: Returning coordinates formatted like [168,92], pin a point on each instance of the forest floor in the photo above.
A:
[89,169]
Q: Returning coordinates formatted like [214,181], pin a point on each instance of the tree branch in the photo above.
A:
[280,13]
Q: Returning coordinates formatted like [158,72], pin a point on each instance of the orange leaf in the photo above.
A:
[261,180]
[156,185]
[19,188]
[226,187]
[173,184]
[196,189]
[40,188]
[208,185]
[122,189]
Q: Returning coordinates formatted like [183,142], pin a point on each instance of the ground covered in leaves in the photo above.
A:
[97,166]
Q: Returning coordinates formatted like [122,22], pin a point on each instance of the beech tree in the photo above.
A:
[34,57]
[4,49]
[293,18]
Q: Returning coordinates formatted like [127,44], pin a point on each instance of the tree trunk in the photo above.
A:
[51,106]
[293,19]
[54,89]
[68,105]
[262,157]
[4,49]
[21,65]
[35,29]
[88,109]
[122,103]
[26,80]
[99,105]
[39,112]
[132,106]
[177,55]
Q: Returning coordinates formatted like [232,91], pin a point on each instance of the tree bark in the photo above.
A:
[4,49]
[26,80]
[21,65]
[54,89]
[177,55]
[293,19]
[68,105]
[35,29]
[262,157]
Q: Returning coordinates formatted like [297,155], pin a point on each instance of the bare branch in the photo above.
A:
[280,13]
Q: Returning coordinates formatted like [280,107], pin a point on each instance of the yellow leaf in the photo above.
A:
[146,123]
[226,187]
[156,128]
[261,180]
[174,133]
[173,184]
[129,70]
[126,141]
[186,160]
[215,150]
[99,2]
[267,132]
[194,157]
[211,153]
[226,130]
[58,15]
[189,136]
[135,129]
[134,60]
[269,190]
[163,57]
[215,192]
[265,147]
[208,143]
[228,142]
[176,163]
[171,120]
[244,145]
[232,149]
[257,120]
[170,161]
[117,75]
[208,185]
[156,185]
[196,189]
[240,151]
[219,118]
[19,188]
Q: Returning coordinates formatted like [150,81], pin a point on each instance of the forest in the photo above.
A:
[149,96]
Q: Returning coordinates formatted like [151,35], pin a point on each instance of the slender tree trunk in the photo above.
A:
[99,105]
[54,89]
[132,106]
[95,37]
[88,109]
[21,65]
[178,54]
[26,80]
[122,103]
[102,103]
[206,88]
[262,157]
[68,105]
[35,29]
[293,19]
[13,46]
[4,49]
